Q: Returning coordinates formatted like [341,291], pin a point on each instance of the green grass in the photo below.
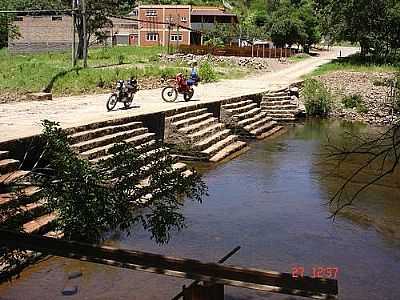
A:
[355,64]
[299,57]
[21,74]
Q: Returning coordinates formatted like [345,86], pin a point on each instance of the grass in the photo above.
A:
[299,57]
[21,74]
[355,64]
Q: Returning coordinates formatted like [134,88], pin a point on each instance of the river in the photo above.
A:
[272,202]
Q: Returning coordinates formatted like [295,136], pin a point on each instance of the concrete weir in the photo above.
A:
[210,131]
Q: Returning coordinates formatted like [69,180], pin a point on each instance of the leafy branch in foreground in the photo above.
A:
[380,153]
[133,185]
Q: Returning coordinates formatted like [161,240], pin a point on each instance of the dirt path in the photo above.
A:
[22,119]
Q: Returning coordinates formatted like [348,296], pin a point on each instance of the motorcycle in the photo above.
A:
[179,85]
[124,92]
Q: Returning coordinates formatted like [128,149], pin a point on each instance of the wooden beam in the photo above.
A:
[268,281]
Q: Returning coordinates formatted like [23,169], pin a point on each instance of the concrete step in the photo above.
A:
[248,114]
[9,178]
[205,132]
[257,124]
[213,139]
[280,112]
[268,133]
[102,131]
[108,139]
[234,105]
[186,115]
[103,151]
[40,224]
[147,144]
[283,117]
[275,103]
[4,154]
[242,109]
[215,148]
[192,120]
[276,98]
[280,107]
[264,128]
[278,93]
[251,120]
[8,165]
[27,192]
[229,150]
[198,126]
[25,213]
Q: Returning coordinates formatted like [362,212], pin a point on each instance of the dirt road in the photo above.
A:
[22,119]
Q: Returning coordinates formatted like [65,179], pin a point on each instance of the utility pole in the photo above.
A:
[169,33]
[85,40]
[177,35]
[73,34]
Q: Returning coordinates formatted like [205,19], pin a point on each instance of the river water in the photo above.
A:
[272,202]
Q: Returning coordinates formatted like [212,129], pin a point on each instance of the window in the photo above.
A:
[183,19]
[151,13]
[56,18]
[19,19]
[152,36]
[174,37]
[169,19]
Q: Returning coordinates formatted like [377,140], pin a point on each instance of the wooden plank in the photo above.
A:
[257,279]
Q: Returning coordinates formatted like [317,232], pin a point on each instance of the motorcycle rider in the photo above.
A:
[194,77]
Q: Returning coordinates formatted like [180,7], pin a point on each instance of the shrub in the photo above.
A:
[207,72]
[318,100]
[352,101]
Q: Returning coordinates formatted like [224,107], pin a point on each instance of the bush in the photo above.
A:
[355,101]
[207,72]
[318,100]
[352,101]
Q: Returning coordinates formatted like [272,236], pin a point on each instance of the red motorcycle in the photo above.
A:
[179,85]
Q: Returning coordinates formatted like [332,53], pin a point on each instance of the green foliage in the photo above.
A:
[317,98]
[355,101]
[352,101]
[375,25]
[91,199]
[207,72]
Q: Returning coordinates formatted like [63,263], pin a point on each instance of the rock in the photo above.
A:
[69,291]
[40,96]
[73,275]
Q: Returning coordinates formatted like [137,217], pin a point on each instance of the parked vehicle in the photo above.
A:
[124,92]
[180,85]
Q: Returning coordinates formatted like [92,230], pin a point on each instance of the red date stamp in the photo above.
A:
[316,272]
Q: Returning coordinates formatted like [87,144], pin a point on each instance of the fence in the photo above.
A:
[252,51]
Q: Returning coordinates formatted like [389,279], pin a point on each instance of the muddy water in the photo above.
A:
[271,202]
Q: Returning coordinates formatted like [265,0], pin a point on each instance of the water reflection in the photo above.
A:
[271,202]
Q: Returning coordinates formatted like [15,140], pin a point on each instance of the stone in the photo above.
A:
[70,290]
[40,96]
[73,275]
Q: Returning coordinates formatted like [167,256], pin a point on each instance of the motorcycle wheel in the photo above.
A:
[187,96]
[112,101]
[128,103]
[169,94]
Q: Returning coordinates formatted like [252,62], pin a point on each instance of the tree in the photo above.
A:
[92,199]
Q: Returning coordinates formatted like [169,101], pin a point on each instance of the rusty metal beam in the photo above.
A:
[268,281]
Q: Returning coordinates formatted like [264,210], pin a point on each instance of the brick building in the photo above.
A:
[153,31]
[154,28]
[54,33]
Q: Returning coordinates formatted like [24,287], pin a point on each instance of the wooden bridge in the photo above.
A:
[210,273]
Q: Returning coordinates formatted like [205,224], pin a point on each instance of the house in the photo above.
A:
[158,24]
[41,33]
